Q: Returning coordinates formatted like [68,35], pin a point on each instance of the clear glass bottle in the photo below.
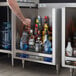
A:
[47,45]
[31,41]
[24,41]
[38,45]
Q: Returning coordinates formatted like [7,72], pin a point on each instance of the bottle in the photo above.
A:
[31,41]
[38,22]
[38,45]
[24,41]
[39,26]
[47,45]
[69,48]
[36,31]
[44,32]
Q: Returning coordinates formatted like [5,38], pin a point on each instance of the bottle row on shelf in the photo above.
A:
[37,38]
[34,57]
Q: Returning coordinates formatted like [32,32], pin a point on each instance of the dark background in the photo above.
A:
[57,1]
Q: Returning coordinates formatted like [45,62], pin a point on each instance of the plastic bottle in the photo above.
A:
[69,48]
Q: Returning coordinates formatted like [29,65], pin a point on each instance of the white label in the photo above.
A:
[31,42]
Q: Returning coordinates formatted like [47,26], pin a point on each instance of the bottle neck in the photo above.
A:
[69,43]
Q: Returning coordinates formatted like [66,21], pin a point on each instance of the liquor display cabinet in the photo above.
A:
[32,10]
[38,54]
[69,37]
[48,17]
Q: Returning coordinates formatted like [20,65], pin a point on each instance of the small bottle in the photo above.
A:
[69,48]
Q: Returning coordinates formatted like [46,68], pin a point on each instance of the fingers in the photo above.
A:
[27,22]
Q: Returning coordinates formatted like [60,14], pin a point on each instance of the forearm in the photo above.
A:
[14,6]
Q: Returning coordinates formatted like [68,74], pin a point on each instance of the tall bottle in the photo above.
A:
[31,41]
[24,40]
[47,44]
[38,44]
[69,48]
[36,31]
[39,26]
[45,29]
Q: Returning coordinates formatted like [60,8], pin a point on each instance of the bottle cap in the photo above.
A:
[36,25]
[46,17]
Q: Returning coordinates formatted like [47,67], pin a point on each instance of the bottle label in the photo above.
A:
[31,42]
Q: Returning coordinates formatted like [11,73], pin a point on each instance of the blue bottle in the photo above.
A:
[47,45]
[24,41]
[24,44]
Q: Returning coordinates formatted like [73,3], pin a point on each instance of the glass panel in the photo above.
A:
[5,28]
[38,37]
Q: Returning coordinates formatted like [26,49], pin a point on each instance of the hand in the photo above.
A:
[27,21]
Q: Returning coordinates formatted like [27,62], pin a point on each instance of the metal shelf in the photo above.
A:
[5,51]
[20,4]
[34,53]
[70,58]
[27,59]
[69,66]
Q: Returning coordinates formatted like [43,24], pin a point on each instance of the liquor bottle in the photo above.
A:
[31,41]
[38,45]
[44,32]
[38,23]
[24,40]
[47,45]
[69,48]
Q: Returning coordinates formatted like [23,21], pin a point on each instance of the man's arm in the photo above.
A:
[15,8]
